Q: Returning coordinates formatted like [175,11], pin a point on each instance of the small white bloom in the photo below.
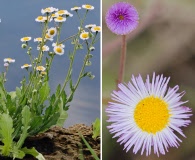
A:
[48,37]
[84,35]
[9,60]
[49,10]
[96,29]
[25,39]
[60,45]
[26,66]
[88,7]
[52,31]
[92,48]
[44,48]
[60,19]
[75,8]
[40,68]
[41,19]
[39,39]
[58,50]
[89,26]
[61,12]
[6,64]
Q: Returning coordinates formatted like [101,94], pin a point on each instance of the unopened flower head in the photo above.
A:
[60,45]
[6,64]
[84,35]
[92,48]
[89,26]
[41,19]
[60,19]
[88,7]
[26,66]
[52,31]
[25,39]
[147,115]
[75,8]
[58,50]
[96,29]
[40,68]
[122,18]
[9,60]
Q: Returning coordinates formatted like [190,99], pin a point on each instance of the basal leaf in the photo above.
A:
[6,130]
[33,152]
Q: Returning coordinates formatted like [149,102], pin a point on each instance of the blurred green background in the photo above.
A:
[163,43]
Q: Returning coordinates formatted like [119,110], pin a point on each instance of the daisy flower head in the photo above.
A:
[147,115]
[45,48]
[39,39]
[25,39]
[49,10]
[9,60]
[89,26]
[58,50]
[61,12]
[68,14]
[48,37]
[88,7]
[60,19]
[84,35]
[75,8]
[41,19]
[26,66]
[96,29]
[122,18]
[60,45]
[52,31]
[40,68]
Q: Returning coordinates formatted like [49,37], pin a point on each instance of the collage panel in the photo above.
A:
[50,79]
[148,80]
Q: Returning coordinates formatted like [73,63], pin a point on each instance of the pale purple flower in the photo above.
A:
[122,18]
[147,115]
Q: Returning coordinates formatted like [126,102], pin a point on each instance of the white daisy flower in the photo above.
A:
[96,29]
[41,19]
[26,66]
[9,60]
[88,7]
[45,48]
[62,12]
[39,39]
[147,115]
[59,50]
[75,8]
[49,10]
[60,19]
[25,39]
[52,31]
[84,35]
[40,68]
[48,37]
[89,26]
[60,45]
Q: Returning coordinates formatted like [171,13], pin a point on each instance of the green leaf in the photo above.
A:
[96,128]
[6,130]
[12,94]
[33,152]
[44,92]
[26,118]
[63,115]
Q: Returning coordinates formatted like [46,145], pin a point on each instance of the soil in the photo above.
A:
[63,143]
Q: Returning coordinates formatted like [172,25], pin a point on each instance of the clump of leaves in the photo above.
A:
[32,108]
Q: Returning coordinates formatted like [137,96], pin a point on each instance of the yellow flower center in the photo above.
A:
[26,65]
[39,39]
[52,32]
[121,17]
[59,50]
[9,59]
[97,28]
[88,6]
[61,12]
[60,18]
[85,35]
[40,68]
[40,18]
[47,36]
[151,114]
[47,10]
[25,38]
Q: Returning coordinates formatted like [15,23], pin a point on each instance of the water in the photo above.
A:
[18,20]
